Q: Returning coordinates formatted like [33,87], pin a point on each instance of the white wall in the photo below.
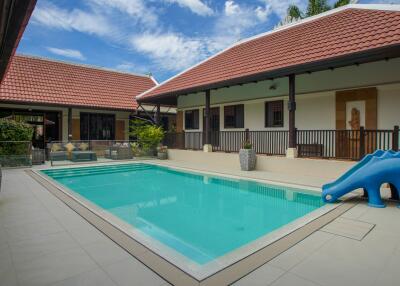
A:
[315,111]
[388,106]
[372,74]
[315,96]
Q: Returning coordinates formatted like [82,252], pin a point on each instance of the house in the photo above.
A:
[326,86]
[65,101]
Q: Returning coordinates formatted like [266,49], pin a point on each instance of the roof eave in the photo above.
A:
[49,104]
[17,14]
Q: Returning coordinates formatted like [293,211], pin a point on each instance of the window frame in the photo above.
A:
[235,126]
[195,119]
[271,124]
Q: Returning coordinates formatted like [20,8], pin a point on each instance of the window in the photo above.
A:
[234,116]
[95,126]
[192,119]
[274,113]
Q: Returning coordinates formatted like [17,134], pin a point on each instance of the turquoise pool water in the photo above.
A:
[200,216]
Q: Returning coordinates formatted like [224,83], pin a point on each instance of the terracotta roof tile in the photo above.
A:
[35,80]
[349,30]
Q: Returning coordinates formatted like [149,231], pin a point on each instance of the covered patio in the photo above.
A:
[290,64]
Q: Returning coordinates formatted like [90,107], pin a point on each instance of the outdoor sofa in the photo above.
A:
[76,152]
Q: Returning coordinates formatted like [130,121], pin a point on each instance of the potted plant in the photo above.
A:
[162,152]
[247,157]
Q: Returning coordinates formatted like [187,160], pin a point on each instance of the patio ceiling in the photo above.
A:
[14,16]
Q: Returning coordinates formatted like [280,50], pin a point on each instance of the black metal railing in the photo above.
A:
[337,144]
[269,142]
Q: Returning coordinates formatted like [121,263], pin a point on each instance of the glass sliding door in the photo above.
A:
[96,126]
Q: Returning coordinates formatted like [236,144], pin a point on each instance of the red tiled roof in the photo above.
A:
[35,80]
[338,33]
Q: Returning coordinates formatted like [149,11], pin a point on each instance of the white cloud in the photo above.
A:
[131,67]
[231,8]
[196,6]
[262,13]
[51,16]
[279,7]
[170,51]
[235,23]
[69,53]
[137,9]
[136,24]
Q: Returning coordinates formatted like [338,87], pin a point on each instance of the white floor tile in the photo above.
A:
[289,279]
[130,272]
[96,277]
[264,275]
[54,267]
[106,252]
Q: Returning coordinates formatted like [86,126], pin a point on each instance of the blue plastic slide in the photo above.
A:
[369,174]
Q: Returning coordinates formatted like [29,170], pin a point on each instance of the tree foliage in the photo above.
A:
[314,7]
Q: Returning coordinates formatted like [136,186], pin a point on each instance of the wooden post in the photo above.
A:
[362,142]
[69,124]
[207,119]
[292,111]
[157,115]
[395,138]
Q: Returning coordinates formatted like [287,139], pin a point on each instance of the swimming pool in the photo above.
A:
[201,217]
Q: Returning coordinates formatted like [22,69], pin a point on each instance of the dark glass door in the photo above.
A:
[214,125]
[95,126]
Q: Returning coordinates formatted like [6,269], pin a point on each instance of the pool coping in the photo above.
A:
[224,270]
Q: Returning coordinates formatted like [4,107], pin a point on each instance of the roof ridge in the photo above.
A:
[386,7]
[94,67]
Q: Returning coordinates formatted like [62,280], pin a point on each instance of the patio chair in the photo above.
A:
[57,152]
[119,152]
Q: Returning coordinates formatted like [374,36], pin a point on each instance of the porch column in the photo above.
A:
[207,140]
[157,115]
[292,150]
[69,124]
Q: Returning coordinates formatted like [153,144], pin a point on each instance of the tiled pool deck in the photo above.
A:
[44,242]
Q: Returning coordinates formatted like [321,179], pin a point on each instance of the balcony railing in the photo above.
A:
[336,144]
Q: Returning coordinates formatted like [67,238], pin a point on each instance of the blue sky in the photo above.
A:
[161,37]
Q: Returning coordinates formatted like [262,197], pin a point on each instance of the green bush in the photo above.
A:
[16,151]
[148,136]
[11,130]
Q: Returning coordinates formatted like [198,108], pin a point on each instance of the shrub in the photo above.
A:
[11,130]
[148,136]
[247,145]
[12,152]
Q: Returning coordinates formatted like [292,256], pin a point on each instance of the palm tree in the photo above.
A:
[314,7]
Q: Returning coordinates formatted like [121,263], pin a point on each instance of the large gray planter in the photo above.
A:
[162,155]
[247,159]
